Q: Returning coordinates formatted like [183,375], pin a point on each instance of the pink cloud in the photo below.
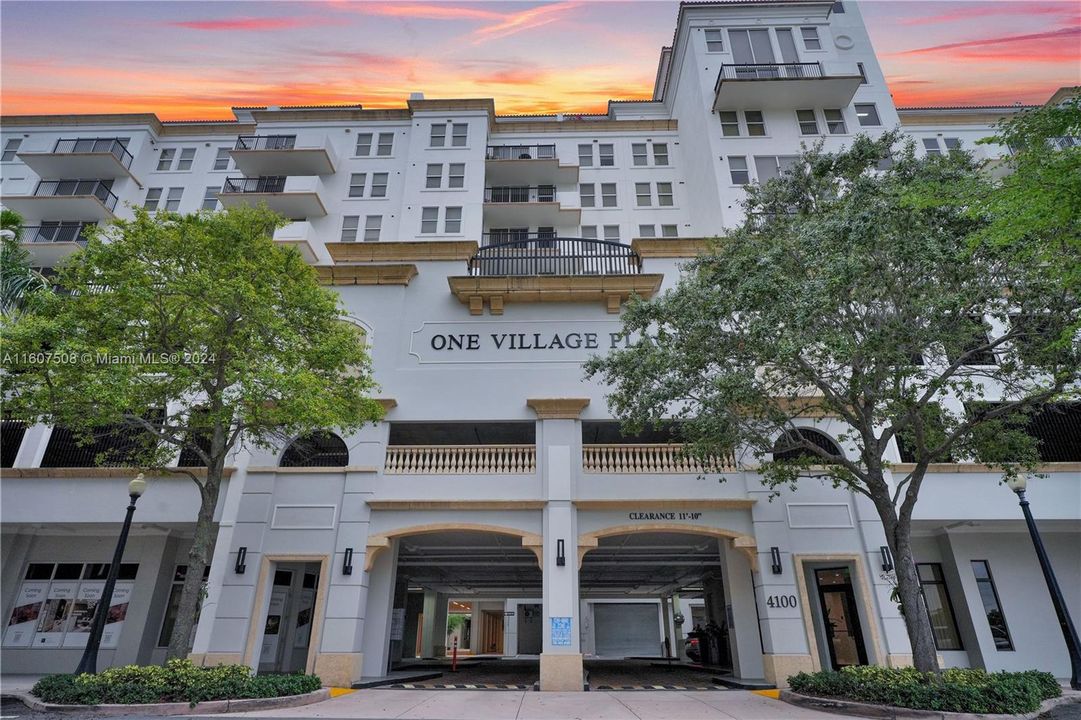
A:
[1044,46]
[979,10]
[427,11]
[246,23]
[524,20]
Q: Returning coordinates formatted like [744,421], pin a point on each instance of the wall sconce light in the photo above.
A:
[561,558]
[775,559]
[347,562]
[887,559]
[241,556]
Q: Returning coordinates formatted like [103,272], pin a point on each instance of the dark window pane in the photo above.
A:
[319,449]
[11,437]
[786,447]
[988,595]
[69,571]
[39,571]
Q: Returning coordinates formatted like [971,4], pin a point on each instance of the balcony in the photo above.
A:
[51,242]
[542,268]
[668,459]
[86,200]
[297,234]
[530,164]
[296,198]
[262,155]
[772,86]
[106,158]
[524,205]
[461,460]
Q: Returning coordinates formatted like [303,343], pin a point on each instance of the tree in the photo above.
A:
[18,279]
[191,334]
[850,292]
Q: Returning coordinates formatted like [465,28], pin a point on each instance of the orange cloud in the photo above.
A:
[987,9]
[246,23]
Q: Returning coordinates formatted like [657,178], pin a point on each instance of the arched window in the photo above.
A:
[788,446]
[317,449]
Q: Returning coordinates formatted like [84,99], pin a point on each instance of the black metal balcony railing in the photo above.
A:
[266,142]
[520,194]
[543,255]
[112,145]
[520,152]
[68,188]
[269,184]
[55,232]
[769,71]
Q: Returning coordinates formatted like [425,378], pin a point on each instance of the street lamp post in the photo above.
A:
[1069,633]
[89,663]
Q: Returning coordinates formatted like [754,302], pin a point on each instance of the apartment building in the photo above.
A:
[485,257]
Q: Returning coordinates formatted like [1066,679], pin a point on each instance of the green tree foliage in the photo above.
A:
[850,293]
[201,334]
[18,280]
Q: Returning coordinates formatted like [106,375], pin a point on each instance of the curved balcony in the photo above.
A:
[543,254]
[783,85]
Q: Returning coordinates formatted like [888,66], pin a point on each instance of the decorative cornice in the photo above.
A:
[612,290]
[558,408]
[105,472]
[670,247]
[403,251]
[981,468]
[387,404]
[312,470]
[456,504]
[567,125]
[805,407]
[666,504]
[366,274]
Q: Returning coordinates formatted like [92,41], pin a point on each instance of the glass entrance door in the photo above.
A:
[844,637]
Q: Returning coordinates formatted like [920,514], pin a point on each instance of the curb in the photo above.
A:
[208,707]
[888,712]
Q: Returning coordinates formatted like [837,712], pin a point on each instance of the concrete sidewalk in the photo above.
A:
[379,704]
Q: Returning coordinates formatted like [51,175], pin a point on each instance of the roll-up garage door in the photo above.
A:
[625,629]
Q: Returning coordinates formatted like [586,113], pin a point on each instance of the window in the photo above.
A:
[364,145]
[867,114]
[115,445]
[789,446]
[221,160]
[608,194]
[863,73]
[669,231]
[714,41]
[452,220]
[664,194]
[639,154]
[459,134]
[173,606]
[660,154]
[372,225]
[729,123]
[756,124]
[952,143]
[356,184]
[737,167]
[349,228]
[975,345]
[647,231]
[839,7]
[187,157]
[429,220]
[210,198]
[379,185]
[435,175]
[456,176]
[585,155]
[10,148]
[386,144]
[172,200]
[153,196]
[589,232]
[808,125]
[165,160]
[835,122]
[11,437]
[439,135]
[991,606]
[317,449]
[939,608]
[611,232]
[642,194]
[587,192]
[769,166]
[930,146]
[810,38]
[608,155]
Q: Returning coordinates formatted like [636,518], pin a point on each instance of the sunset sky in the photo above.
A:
[193,60]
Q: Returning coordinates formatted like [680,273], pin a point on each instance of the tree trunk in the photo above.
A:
[917,622]
[198,559]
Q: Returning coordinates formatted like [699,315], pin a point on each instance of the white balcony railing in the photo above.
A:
[659,458]
[460,459]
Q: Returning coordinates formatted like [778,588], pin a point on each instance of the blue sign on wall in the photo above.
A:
[561,631]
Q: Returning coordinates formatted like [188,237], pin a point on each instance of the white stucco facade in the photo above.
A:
[494,461]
